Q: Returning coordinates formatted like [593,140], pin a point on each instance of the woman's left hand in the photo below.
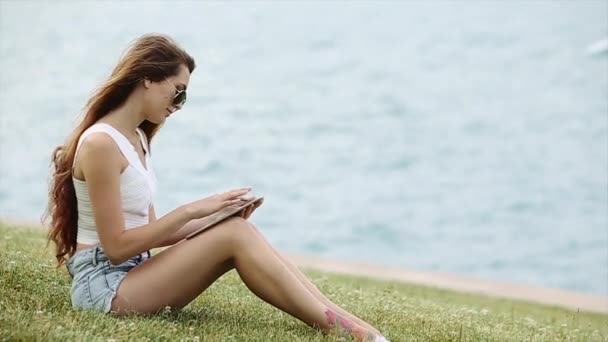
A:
[245,213]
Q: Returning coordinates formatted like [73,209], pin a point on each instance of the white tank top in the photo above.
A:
[137,185]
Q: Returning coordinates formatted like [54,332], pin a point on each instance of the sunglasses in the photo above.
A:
[180,95]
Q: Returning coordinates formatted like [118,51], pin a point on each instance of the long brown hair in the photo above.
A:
[151,56]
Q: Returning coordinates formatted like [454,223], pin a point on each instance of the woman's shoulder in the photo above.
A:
[99,149]
[98,142]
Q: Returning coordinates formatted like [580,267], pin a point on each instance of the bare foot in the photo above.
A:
[348,326]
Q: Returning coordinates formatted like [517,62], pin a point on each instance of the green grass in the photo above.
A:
[35,305]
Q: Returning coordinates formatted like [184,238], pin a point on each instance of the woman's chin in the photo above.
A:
[158,120]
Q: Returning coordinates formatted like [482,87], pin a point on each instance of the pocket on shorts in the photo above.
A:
[114,274]
[113,279]
[98,287]
[80,293]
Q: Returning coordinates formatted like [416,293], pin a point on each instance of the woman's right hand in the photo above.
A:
[214,203]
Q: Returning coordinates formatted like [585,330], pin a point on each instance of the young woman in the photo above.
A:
[104,224]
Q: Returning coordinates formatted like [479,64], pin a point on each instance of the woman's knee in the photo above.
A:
[237,222]
[238,230]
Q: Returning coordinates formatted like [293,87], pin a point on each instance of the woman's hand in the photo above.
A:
[245,213]
[214,203]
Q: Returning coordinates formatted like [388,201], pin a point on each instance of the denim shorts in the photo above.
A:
[95,279]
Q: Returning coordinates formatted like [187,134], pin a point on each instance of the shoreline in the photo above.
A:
[453,282]
[566,299]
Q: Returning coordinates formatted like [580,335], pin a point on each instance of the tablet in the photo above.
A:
[223,214]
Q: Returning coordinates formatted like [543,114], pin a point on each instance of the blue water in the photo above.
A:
[461,137]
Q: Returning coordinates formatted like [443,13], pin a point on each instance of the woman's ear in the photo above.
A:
[147,83]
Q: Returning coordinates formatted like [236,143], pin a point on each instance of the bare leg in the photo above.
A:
[311,286]
[180,273]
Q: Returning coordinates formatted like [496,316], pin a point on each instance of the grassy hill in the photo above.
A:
[35,305]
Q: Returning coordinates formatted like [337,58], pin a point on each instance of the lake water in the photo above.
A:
[461,137]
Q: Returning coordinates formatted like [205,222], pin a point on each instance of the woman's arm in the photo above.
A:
[195,224]
[103,181]
[181,233]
